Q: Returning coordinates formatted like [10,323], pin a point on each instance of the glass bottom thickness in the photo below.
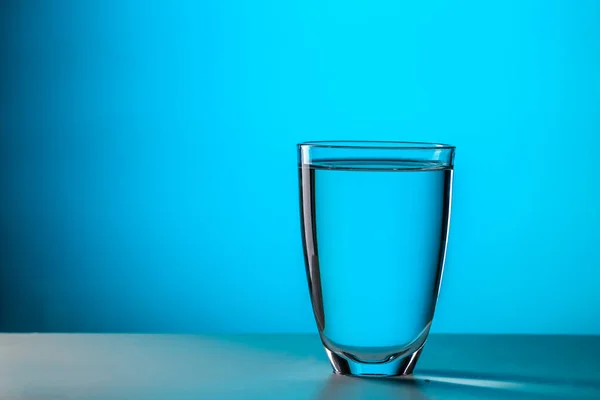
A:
[397,366]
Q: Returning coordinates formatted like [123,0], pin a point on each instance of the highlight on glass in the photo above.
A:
[375,219]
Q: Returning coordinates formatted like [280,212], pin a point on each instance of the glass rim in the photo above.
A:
[376,145]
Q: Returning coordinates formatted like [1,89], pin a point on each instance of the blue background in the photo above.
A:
[148,161]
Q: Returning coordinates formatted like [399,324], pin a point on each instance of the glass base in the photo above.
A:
[397,366]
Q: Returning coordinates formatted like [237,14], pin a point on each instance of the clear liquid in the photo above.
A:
[375,238]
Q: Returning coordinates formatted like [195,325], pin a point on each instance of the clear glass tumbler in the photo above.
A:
[375,218]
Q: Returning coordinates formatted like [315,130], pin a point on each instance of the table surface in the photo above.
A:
[90,366]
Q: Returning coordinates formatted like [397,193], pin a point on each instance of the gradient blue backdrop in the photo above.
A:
[148,161]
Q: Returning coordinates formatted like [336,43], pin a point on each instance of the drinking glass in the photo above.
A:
[375,219]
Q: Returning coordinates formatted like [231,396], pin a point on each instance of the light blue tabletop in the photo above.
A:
[69,366]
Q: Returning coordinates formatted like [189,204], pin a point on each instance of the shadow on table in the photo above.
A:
[513,383]
[455,385]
